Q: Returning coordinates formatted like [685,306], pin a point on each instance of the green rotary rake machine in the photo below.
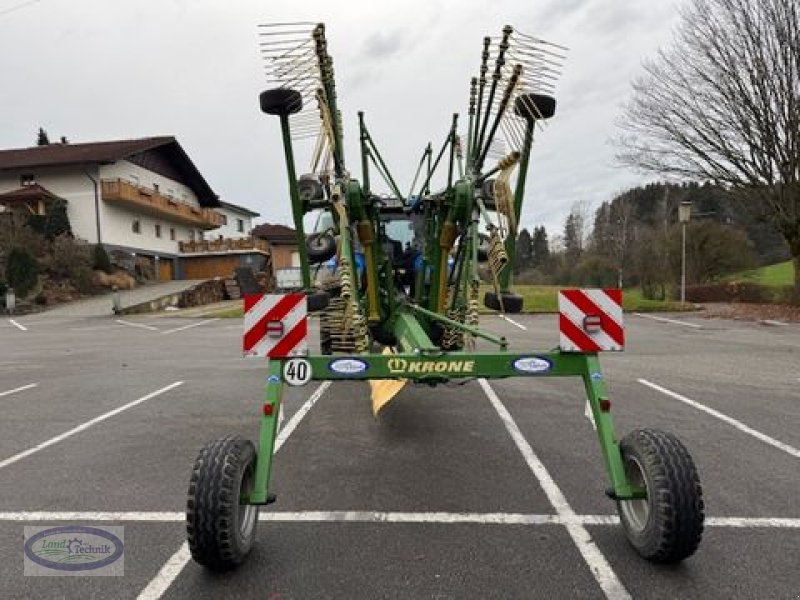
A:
[394,278]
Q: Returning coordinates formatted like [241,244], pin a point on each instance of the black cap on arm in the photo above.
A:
[281,101]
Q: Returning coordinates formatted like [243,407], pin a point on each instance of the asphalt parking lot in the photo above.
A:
[470,490]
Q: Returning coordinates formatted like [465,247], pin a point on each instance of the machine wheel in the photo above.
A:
[483,248]
[318,301]
[487,191]
[665,527]
[321,247]
[325,342]
[512,303]
[221,531]
[281,101]
[310,189]
[535,106]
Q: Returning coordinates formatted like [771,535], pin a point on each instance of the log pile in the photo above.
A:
[232,290]
[207,292]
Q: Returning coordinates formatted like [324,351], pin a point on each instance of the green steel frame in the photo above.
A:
[434,367]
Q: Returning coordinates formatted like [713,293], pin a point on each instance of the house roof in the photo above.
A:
[28,192]
[275,234]
[92,153]
[239,209]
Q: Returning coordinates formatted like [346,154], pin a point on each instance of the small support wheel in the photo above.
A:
[666,526]
[220,530]
[325,341]
[317,301]
[321,247]
[483,248]
[505,302]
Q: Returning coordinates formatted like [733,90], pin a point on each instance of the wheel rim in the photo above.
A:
[636,512]
[248,513]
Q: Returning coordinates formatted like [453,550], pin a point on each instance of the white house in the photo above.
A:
[142,197]
[237,222]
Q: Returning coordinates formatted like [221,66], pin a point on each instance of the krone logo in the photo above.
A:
[397,365]
[403,366]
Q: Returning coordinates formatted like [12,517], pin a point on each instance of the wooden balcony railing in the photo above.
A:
[118,191]
[224,245]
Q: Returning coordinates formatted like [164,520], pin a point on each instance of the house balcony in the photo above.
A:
[224,245]
[150,202]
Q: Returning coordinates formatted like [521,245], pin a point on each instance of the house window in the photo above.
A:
[158,230]
[240,225]
[136,226]
[172,233]
[155,186]
[224,219]
[27,179]
[191,235]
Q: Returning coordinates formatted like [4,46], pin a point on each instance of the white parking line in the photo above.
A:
[167,574]
[190,325]
[19,389]
[83,426]
[666,320]
[773,322]
[301,412]
[513,322]
[79,515]
[173,567]
[597,563]
[17,325]
[723,417]
[139,325]
[358,516]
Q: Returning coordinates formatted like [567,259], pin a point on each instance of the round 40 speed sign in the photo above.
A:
[297,371]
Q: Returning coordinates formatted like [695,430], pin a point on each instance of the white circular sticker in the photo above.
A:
[297,371]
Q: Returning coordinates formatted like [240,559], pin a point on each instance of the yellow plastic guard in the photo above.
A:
[383,390]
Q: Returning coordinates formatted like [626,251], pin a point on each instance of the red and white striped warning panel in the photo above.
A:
[590,320]
[275,326]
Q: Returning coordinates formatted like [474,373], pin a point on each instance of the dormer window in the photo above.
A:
[27,179]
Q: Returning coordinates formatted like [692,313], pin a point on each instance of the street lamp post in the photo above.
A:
[684,214]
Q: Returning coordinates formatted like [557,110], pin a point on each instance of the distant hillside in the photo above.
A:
[779,274]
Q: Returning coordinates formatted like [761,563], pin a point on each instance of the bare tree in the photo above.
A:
[722,103]
[582,213]
[621,216]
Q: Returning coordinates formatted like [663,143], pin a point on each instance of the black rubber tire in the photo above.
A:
[483,248]
[310,189]
[512,303]
[672,526]
[281,101]
[321,247]
[380,335]
[325,342]
[487,193]
[317,301]
[220,531]
[535,106]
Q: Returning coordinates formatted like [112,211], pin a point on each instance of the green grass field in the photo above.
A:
[544,299]
[538,299]
[780,274]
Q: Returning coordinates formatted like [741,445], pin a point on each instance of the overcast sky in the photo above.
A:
[99,70]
